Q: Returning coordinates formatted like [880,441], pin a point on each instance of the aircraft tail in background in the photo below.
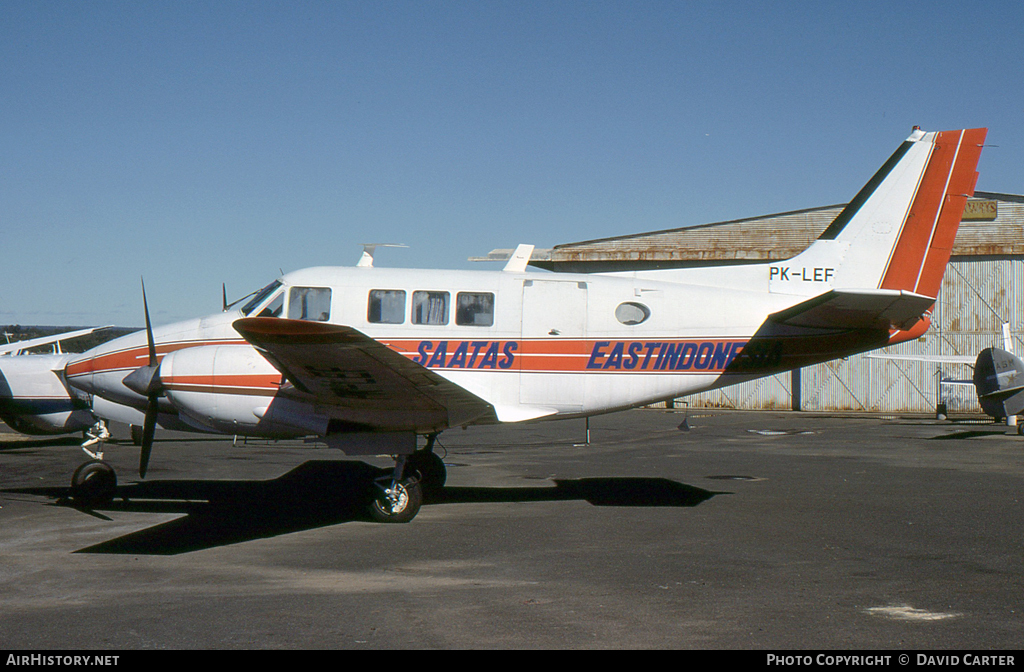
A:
[999,381]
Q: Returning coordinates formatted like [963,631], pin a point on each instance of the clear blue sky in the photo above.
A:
[195,143]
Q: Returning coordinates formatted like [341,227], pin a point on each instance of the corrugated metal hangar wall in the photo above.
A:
[983,288]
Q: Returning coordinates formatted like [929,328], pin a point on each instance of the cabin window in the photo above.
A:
[474,309]
[309,303]
[630,313]
[386,306]
[430,307]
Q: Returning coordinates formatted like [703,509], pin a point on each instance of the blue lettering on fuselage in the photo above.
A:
[467,354]
[638,356]
[663,356]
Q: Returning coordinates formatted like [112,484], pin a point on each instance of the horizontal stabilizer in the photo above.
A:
[1002,394]
[857,309]
[931,359]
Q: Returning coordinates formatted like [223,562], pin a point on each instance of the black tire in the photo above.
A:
[403,508]
[93,484]
[431,470]
[136,435]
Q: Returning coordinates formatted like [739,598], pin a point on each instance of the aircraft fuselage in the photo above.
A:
[529,344]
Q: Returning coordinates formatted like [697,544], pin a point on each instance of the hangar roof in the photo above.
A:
[993,226]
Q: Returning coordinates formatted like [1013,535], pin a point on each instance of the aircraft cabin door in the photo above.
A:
[554,326]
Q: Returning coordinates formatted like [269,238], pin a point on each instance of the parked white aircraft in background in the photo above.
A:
[43,404]
[367,359]
[19,347]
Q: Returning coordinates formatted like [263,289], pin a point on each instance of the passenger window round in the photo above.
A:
[631,313]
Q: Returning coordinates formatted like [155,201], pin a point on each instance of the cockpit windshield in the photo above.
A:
[260,297]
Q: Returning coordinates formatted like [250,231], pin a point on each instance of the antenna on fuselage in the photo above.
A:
[519,259]
[366,261]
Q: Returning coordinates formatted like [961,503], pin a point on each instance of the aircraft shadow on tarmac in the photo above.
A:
[969,434]
[322,493]
[23,443]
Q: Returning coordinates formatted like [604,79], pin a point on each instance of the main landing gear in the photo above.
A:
[399,495]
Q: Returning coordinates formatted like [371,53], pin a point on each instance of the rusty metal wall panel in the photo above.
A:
[778,236]
[1002,236]
[770,237]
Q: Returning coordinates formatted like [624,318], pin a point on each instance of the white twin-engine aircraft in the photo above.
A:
[367,359]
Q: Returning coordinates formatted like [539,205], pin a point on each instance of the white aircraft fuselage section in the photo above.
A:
[528,344]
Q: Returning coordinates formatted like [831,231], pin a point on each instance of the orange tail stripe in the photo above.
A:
[923,249]
[905,264]
[961,186]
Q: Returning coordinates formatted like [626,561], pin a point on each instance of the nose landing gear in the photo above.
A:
[93,484]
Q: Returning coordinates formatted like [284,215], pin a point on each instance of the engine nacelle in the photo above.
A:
[35,400]
[233,389]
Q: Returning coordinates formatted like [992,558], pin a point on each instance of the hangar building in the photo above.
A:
[983,289]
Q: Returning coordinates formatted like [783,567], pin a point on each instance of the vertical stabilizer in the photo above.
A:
[999,381]
[898,231]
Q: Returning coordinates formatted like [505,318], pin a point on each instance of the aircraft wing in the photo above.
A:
[857,309]
[17,347]
[342,366]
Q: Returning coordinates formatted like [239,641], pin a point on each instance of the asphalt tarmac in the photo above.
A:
[744,530]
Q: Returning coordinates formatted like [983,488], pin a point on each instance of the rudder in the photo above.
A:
[919,259]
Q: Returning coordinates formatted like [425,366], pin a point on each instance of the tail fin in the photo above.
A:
[999,381]
[897,233]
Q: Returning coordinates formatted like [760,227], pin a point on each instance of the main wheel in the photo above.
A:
[93,484]
[396,502]
[432,471]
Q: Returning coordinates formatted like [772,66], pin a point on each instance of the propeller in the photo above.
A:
[146,381]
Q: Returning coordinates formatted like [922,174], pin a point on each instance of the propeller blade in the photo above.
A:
[149,328]
[148,429]
[224,295]
[152,395]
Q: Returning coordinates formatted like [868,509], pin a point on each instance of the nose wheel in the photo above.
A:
[93,484]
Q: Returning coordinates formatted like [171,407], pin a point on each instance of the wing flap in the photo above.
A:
[857,309]
[341,366]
